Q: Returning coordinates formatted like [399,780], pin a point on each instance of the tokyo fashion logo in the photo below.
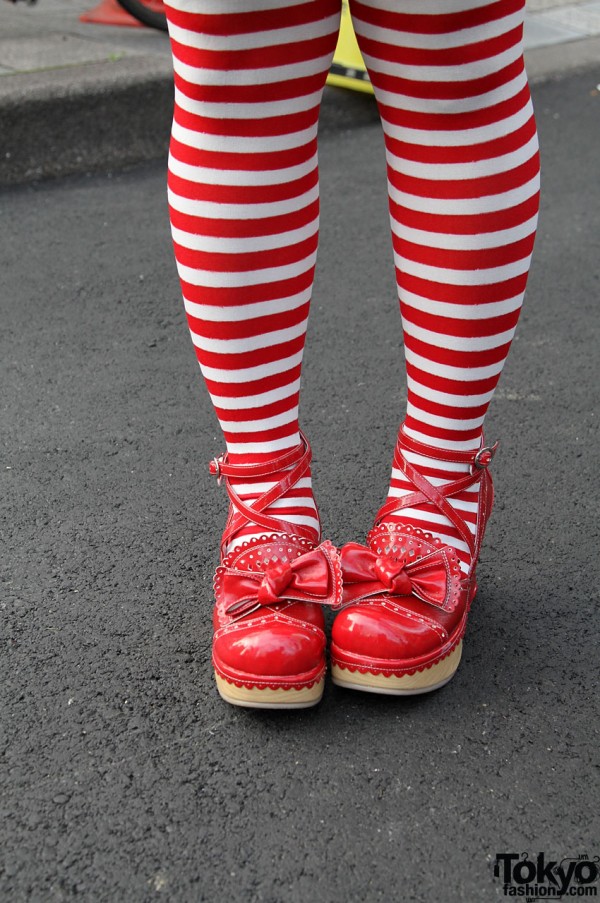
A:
[541,878]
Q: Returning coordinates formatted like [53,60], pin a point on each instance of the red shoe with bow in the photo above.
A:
[269,641]
[406,600]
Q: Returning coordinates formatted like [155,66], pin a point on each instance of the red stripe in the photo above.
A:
[449,56]
[439,383]
[267,57]
[444,410]
[251,261]
[456,120]
[248,359]
[440,23]
[243,194]
[248,128]
[446,90]
[464,328]
[253,387]
[246,415]
[246,329]
[480,259]
[462,294]
[238,162]
[454,358]
[467,224]
[466,153]
[245,228]
[234,297]
[444,436]
[254,21]
[460,189]
[263,93]
[261,435]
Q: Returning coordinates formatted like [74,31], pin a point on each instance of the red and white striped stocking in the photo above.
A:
[463,179]
[244,203]
[243,188]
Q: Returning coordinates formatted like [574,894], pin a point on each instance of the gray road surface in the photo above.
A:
[123,777]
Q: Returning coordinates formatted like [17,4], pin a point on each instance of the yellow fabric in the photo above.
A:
[348,69]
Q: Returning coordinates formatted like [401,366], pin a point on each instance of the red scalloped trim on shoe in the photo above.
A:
[396,670]
[287,682]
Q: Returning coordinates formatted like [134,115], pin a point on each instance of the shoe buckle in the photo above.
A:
[484,456]
[215,469]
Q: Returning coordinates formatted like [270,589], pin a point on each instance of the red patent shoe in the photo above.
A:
[405,599]
[269,640]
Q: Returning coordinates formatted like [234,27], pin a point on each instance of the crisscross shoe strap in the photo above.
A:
[479,462]
[294,463]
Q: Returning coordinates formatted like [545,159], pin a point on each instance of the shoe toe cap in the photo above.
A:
[272,649]
[374,632]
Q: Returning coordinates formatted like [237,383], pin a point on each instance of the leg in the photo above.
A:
[463,178]
[244,204]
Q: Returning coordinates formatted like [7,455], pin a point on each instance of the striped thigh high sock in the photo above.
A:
[463,181]
[244,207]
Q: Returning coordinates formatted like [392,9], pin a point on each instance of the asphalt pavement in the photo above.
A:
[123,776]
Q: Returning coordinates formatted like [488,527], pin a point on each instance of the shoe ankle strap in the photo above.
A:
[426,493]
[480,458]
[292,465]
[220,467]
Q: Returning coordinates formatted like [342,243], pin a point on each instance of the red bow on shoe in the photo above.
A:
[432,575]
[312,577]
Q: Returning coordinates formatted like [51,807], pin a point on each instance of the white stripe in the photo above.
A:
[242,144]
[421,462]
[459,373]
[253,490]
[254,77]
[218,245]
[249,343]
[450,105]
[460,137]
[269,38]
[473,169]
[425,7]
[260,109]
[250,374]
[257,426]
[205,175]
[247,402]
[456,73]
[215,314]
[483,276]
[447,398]
[299,501]
[488,311]
[467,206]
[253,448]
[215,7]
[291,518]
[462,38]
[243,402]
[467,507]
[459,242]
[214,279]
[447,423]
[451,445]
[457,343]
[212,210]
